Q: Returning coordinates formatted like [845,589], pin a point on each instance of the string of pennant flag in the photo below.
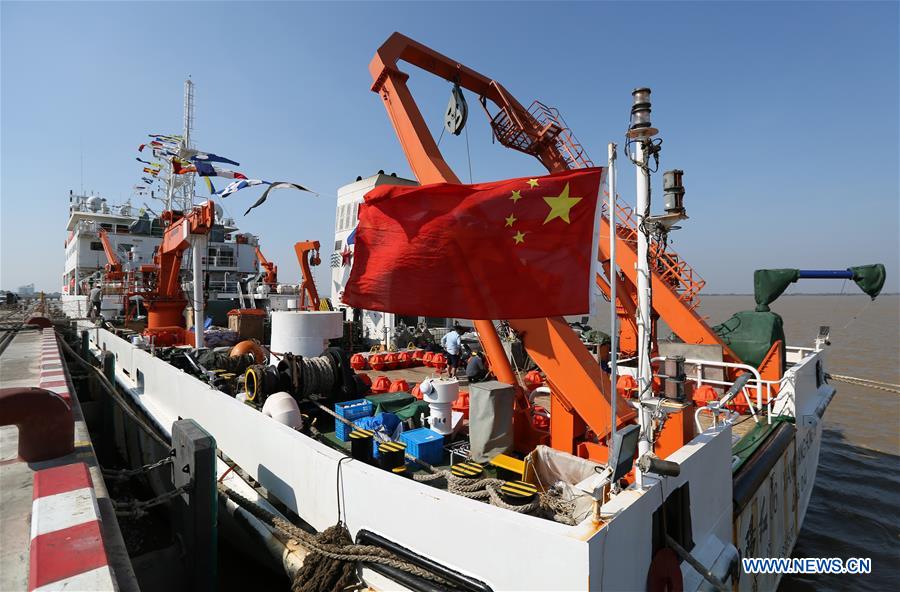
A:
[183,161]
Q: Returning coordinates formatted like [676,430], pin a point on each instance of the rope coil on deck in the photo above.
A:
[489,489]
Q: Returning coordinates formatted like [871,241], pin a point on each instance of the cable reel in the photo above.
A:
[259,382]
[457,111]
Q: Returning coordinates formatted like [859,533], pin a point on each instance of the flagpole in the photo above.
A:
[613,316]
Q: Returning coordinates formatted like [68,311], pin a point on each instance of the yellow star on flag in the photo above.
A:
[511,220]
[532,183]
[519,237]
[560,205]
[516,196]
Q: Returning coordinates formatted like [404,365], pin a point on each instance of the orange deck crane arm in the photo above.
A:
[271,276]
[581,390]
[166,302]
[176,241]
[308,256]
[113,264]
[580,396]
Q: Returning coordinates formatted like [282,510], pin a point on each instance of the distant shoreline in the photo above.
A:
[797,294]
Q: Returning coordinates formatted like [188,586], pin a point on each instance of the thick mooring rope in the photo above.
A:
[872,384]
[340,551]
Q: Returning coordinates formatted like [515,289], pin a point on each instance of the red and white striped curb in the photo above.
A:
[67,551]
[53,375]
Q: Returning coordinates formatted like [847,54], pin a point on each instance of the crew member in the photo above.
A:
[96,297]
[475,370]
[452,345]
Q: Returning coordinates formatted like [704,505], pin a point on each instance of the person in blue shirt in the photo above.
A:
[453,346]
[475,370]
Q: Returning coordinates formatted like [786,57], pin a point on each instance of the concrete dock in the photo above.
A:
[58,528]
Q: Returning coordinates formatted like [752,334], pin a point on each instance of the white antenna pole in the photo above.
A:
[186,139]
[645,376]
[613,316]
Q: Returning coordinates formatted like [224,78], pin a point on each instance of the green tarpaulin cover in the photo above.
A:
[869,278]
[769,284]
[403,405]
[750,334]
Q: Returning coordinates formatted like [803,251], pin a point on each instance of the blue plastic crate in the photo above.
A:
[350,410]
[424,444]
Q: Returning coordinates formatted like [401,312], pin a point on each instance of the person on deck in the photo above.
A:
[453,346]
[96,298]
[475,370]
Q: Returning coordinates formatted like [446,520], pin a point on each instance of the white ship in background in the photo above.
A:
[110,245]
[134,235]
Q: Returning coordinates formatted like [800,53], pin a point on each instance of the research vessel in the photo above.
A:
[628,463]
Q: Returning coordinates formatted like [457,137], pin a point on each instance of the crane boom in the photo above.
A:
[575,380]
[113,264]
[166,302]
[580,389]
[308,255]
[271,270]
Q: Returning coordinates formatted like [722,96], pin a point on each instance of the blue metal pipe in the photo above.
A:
[826,274]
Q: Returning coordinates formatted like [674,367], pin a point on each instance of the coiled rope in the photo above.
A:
[489,489]
[341,552]
[866,382]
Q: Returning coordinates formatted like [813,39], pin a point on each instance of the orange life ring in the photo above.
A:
[665,573]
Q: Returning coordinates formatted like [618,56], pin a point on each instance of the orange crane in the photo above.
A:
[271,275]
[113,265]
[308,255]
[165,302]
[580,390]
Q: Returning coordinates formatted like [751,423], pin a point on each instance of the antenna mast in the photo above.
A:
[189,191]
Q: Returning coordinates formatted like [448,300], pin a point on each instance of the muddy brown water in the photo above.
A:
[855,506]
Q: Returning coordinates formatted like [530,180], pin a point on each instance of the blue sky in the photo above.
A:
[784,116]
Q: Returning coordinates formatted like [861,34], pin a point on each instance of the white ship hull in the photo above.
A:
[502,549]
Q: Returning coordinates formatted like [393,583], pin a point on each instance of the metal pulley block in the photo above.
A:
[457,111]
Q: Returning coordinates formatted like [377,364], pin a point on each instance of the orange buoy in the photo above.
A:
[365,380]
[417,392]
[439,362]
[626,386]
[399,386]
[462,403]
[381,385]
[704,394]
[428,359]
[404,360]
[540,418]
[533,379]
[249,346]
[376,361]
[417,357]
[390,361]
[358,362]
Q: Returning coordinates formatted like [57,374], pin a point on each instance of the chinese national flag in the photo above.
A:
[504,250]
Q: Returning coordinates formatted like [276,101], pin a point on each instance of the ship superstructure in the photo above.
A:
[135,233]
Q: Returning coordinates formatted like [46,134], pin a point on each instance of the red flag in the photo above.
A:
[505,250]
